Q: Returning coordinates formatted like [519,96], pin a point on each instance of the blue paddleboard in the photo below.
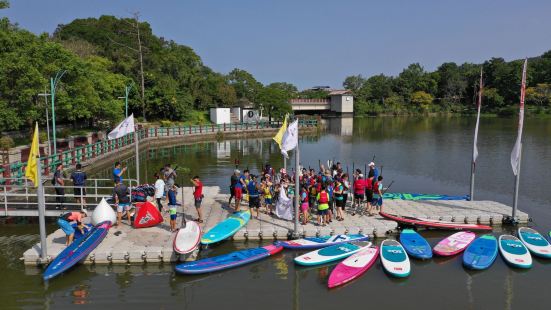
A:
[514,252]
[481,253]
[78,234]
[77,250]
[228,261]
[226,228]
[415,245]
[535,242]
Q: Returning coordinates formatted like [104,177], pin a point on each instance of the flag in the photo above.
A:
[479,102]
[31,172]
[515,154]
[279,136]
[290,139]
[284,206]
[124,128]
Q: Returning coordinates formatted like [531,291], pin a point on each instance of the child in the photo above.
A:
[377,193]
[266,190]
[339,200]
[304,204]
[323,206]
[172,205]
[329,186]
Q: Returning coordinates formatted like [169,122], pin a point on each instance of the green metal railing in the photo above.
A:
[105,147]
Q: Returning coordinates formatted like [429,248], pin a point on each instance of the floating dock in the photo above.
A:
[125,244]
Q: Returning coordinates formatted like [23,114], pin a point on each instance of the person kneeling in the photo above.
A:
[64,222]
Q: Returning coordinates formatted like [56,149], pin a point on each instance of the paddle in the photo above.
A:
[380,200]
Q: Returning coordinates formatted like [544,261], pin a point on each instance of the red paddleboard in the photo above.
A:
[454,244]
[147,215]
[428,223]
[353,267]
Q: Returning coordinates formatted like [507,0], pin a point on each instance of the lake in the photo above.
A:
[426,155]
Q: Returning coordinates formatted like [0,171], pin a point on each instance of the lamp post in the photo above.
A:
[45,95]
[53,84]
[127,89]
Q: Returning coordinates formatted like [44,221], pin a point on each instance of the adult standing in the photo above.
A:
[254,195]
[169,177]
[79,182]
[122,201]
[118,172]
[359,192]
[234,182]
[159,190]
[373,172]
[198,197]
[59,184]
[64,222]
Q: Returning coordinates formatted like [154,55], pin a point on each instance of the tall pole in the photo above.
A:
[285,163]
[126,92]
[41,213]
[53,84]
[516,154]
[45,95]
[297,186]
[475,148]
[137,150]
[517,181]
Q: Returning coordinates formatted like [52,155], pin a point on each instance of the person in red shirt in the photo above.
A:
[359,192]
[198,197]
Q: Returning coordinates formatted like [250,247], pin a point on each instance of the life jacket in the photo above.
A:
[376,188]
[304,197]
[324,197]
[359,186]
[369,184]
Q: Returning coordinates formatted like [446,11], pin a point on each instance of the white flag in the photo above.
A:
[290,139]
[515,154]
[479,102]
[124,128]
[284,206]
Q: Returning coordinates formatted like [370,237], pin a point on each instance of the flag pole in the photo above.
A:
[517,181]
[297,185]
[475,148]
[137,150]
[41,213]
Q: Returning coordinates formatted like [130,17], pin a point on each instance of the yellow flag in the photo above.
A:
[279,136]
[31,172]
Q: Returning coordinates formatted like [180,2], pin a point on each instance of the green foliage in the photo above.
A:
[422,100]
[6,143]
[4,4]
[274,100]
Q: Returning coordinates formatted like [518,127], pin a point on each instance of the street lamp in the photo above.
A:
[126,92]
[45,95]
[53,84]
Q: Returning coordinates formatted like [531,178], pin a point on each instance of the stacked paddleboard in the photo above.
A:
[320,242]
[331,253]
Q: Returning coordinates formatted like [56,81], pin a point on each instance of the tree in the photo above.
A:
[422,99]
[539,95]
[414,78]
[245,85]
[354,83]
[4,4]
[492,99]
[274,101]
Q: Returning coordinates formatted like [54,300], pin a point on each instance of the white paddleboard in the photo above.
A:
[514,252]
[535,242]
[187,239]
[395,259]
[103,212]
[331,254]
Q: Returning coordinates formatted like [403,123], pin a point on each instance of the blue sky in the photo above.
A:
[321,42]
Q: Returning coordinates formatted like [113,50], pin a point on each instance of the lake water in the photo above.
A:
[427,155]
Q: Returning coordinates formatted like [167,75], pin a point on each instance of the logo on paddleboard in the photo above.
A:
[148,217]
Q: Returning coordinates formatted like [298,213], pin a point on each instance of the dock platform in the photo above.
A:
[125,244]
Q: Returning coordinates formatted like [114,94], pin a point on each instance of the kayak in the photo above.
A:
[77,250]
[331,254]
[535,242]
[415,196]
[395,259]
[187,238]
[226,228]
[481,253]
[320,242]
[514,252]
[415,245]
[454,244]
[353,267]
[227,261]
[428,223]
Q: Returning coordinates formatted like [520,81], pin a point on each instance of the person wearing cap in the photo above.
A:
[254,195]
[234,180]
[373,172]
[64,222]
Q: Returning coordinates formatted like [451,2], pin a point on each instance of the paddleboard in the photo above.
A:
[416,196]
[415,245]
[187,238]
[103,212]
[331,254]
[514,252]
[481,253]
[320,242]
[77,250]
[454,244]
[353,267]
[226,228]
[535,242]
[228,261]
[428,223]
[395,259]
[78,234]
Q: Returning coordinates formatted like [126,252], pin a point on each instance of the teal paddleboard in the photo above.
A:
[226,228]
[331,254]
[514,252]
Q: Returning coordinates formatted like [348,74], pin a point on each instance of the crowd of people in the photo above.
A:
[323,193]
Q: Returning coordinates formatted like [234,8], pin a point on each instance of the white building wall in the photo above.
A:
[342,103]
[220,115]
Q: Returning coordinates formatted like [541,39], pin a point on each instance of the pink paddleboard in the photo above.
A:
[353,267]
[454,244]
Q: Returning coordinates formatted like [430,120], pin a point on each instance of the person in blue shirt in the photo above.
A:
[254,195]
[172,207]
[117,173]
[79,182]
[373,172]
